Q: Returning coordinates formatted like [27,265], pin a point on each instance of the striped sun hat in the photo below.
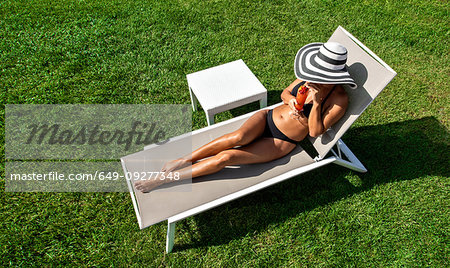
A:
[323,63]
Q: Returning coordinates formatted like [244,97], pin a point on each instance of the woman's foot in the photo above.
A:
[164,176]
[148,185]
[175,164]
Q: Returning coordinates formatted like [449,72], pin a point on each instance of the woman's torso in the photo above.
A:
[293,128]
[296,128]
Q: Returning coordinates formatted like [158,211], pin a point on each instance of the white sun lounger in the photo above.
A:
[371,75]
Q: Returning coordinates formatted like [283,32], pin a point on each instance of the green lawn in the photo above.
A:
[396,214]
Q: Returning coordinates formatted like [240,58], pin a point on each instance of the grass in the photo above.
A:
[140,51]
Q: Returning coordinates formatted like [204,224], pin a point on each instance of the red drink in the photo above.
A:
[301,97]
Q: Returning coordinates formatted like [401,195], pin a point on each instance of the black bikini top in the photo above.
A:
[308,106]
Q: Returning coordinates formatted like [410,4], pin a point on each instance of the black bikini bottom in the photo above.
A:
[272,131]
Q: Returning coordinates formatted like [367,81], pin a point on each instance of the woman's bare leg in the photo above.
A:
[249,131]
[259,151]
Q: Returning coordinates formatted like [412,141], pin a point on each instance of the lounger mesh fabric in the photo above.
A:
[158,206]
[368,87]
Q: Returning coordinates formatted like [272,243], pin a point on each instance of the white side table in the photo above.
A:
[225,87]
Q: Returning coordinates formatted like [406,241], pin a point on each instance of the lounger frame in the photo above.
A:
[341,155]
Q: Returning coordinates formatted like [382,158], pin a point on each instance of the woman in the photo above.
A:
[271,134]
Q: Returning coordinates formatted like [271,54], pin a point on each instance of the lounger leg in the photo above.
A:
[193,99]
[263,102]
[170,236]
[354,162]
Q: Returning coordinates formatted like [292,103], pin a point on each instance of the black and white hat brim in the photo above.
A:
[307,68]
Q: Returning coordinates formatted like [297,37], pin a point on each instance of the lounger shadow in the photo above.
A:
[396,152]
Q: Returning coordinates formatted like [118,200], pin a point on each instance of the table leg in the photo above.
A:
[263,102]
[210,118]
[193,99]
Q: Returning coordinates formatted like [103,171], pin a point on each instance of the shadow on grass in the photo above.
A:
[273,97]
[391,152]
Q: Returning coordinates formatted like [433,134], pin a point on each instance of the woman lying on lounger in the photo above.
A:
[270,134]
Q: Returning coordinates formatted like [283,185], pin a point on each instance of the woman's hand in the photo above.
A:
[291,104]
[314,91]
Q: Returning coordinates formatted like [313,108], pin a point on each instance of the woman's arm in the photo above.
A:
[287,97]
[317,124]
